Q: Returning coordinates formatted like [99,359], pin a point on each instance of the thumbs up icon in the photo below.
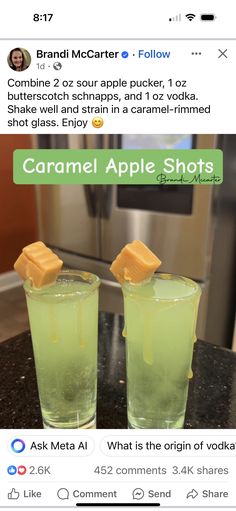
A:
[13,494]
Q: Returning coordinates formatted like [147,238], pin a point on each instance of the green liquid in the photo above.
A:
[160,319]
[63,322]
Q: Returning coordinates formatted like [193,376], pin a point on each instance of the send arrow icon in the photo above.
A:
[192,494]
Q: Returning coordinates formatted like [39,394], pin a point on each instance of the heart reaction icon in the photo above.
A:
[21,470]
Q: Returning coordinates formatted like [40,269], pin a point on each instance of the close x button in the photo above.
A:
[223,53]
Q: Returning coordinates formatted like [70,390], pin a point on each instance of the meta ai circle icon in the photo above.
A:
[17,445]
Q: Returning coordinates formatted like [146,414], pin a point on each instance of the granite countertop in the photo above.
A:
[212,391]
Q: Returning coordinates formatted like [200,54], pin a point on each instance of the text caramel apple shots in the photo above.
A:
[160,320]
[63,315]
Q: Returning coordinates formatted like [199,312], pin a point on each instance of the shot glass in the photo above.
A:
[160,322]
[64,326]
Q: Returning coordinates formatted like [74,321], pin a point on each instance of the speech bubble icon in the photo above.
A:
[138,494]
[63,493]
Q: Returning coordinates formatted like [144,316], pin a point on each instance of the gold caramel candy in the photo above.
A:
[135,263]
[39,264]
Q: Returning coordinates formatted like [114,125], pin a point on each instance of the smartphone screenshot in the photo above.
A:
[117,255]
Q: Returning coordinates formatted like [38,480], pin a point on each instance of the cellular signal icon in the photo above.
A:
[190,17]
[176,18]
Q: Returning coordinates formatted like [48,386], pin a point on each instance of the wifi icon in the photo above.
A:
[190,17]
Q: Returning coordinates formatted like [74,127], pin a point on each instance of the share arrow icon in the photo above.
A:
[192,494]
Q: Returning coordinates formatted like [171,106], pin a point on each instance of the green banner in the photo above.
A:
[118,166]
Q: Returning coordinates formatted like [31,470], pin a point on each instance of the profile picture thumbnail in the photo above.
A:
[19,59]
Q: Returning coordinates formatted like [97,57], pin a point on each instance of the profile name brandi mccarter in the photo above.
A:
[164,179]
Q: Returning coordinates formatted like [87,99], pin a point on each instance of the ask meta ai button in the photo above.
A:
[52,446]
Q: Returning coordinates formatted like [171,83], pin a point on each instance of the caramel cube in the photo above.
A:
[39,264]
[135,263]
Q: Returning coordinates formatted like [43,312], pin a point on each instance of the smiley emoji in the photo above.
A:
[97,122]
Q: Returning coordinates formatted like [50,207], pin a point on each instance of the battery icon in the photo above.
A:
[208,17]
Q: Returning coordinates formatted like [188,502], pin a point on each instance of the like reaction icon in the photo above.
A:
[11,470]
